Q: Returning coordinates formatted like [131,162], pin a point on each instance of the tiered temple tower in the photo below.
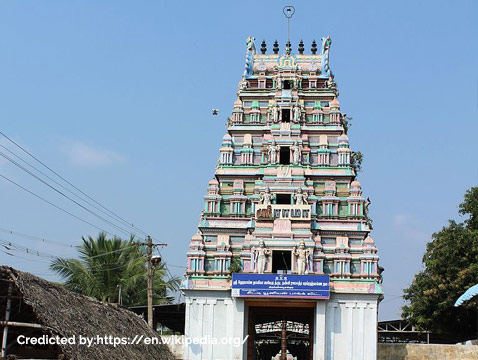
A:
[285,200]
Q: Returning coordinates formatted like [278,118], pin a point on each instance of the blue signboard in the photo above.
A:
[281,286]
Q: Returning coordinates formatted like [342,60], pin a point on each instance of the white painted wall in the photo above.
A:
[217,321]
[350,328]
[345,326]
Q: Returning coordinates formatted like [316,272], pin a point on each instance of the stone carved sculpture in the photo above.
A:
[302,255]
[272,113]
[261,253]
[300,197]
[273,149]
[326,42]
[266,197]
[278,83]
[275,113]
[297,114]
[297,153]
[250,52]
[330,83]
[365,206]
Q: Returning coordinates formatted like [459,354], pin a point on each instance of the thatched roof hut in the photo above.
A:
[43,310]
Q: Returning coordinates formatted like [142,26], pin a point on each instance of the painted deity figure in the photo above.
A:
[261,253]
[242,85]
[273,149]
[266,197]
[326,42]
[300,197]
[279,83]
[273,113]
[297,152]
[302,255]
[366,205]
[270,113]
[330,83]
[250,52]
[297,114]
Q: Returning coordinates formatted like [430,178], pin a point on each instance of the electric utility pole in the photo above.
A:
[149,275]
[151,263]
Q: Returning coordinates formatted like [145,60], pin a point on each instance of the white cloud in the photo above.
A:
[80,154]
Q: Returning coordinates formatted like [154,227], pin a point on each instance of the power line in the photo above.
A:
[54,205]
[33,237]
[69,183]
[63,194]
[74,187]
[16,247]
[165,266]
[20,257]
[62,186]
[392,299]
[12,246]
[178,266]
[95,269]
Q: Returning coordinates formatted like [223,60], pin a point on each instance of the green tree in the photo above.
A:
[356,161]
[235,267]
[450,267]
[470,207]
[106,265]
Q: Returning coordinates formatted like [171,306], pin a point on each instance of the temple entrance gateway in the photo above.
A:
[281,332]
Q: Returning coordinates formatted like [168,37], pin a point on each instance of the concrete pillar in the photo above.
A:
[330,329]
[350,329]
[187,326]
[319,331]
[229,305]
[358,335]
[239,325]
[208,328]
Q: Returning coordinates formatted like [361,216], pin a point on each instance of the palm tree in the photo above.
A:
[106,266]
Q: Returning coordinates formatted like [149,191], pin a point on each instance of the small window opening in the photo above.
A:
[281,261]
[286,115]
[283,199]
[287,84]
[284,155]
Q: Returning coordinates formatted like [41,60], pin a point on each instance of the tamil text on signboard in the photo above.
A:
[284,286]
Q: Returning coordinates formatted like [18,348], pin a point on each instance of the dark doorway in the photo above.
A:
[275,329]
[287,84]
[285,155]
[283,199]
[281,261]
[285,115]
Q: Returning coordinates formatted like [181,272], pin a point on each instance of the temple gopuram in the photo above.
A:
[283,258]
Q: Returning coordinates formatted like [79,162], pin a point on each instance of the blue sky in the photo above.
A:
[116,96]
